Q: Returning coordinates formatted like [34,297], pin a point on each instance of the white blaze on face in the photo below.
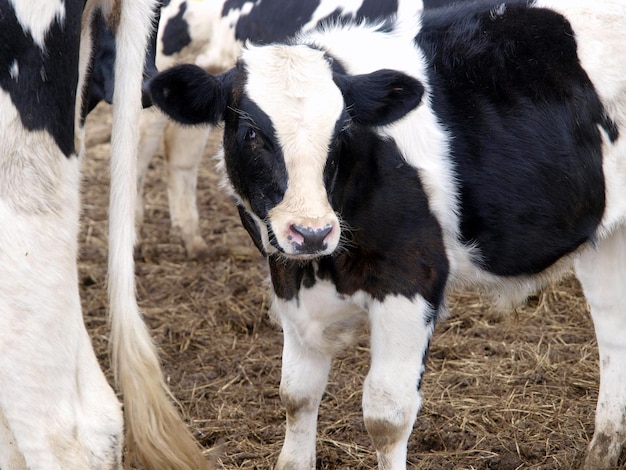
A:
[293,85]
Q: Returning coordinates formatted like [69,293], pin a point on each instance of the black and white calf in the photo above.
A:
[211,34]
[381,166]
[57,411]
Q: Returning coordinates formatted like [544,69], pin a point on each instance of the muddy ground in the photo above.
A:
[500,391]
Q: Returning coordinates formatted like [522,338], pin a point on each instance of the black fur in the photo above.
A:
[45,91]
[524,118]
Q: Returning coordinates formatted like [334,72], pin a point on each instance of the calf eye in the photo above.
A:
[251,134]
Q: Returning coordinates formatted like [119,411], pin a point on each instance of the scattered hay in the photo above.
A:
[500,391]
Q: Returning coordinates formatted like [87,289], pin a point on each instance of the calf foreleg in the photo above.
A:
[303,380]
[400,334]
[602,272]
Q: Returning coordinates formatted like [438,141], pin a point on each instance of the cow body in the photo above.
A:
[211,35]
[57,410]
[379,167]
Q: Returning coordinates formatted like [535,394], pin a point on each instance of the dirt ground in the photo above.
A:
[500,391]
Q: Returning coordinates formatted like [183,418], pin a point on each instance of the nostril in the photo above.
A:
[312,239]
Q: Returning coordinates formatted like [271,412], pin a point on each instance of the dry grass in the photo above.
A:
[500,391]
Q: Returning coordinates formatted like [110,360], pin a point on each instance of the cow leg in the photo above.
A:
[602,273]
[303,380]
[151,128]
[58,408]
[56,405]
[184,147]
[400,335]
[10,456]
[315,327]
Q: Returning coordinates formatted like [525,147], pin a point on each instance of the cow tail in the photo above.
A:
[155,430]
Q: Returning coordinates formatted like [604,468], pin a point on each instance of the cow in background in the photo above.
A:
[378,167]
[57,411]
[211,34]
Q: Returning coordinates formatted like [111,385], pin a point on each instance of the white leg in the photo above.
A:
[56,405]
[400,337]
[184,147]
[303,380]
[10,456]
[151,128]
[315,327]
[602,273]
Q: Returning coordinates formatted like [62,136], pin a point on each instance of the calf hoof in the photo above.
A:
[604,453]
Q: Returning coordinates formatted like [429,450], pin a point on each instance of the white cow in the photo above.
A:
[57,411]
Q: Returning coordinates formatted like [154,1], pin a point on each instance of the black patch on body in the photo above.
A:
[45,91]
[176,32]
[374,9]
[277,20]
[428,4]
[524,117]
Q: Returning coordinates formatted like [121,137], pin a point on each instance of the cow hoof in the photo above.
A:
[196,249]
[604,453]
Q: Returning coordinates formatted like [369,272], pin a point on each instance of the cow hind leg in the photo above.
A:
[184,147]
[10,456]
[391,395]
[151,127]
[602,273]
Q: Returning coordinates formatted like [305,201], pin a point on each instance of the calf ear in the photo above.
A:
[189,95]
[379,98]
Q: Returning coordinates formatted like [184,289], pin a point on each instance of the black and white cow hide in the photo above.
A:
[380,166]
[57,410]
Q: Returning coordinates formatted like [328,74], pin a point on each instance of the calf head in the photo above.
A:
[284,108]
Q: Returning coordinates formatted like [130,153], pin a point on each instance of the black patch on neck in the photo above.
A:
[45,90]
[392,245]
[524,117]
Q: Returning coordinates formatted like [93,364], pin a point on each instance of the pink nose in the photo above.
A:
[309,240]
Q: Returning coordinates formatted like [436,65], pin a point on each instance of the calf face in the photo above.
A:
[280,136]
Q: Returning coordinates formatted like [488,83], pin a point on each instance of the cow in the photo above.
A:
[211,35]
[380,166]
[57,410]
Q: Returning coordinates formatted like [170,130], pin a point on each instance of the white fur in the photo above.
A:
[602,273]
[314,329]
[37,16]
[298,94]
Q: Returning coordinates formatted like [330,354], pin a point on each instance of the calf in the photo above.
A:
[57,411]
[380,166]
[211,35]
